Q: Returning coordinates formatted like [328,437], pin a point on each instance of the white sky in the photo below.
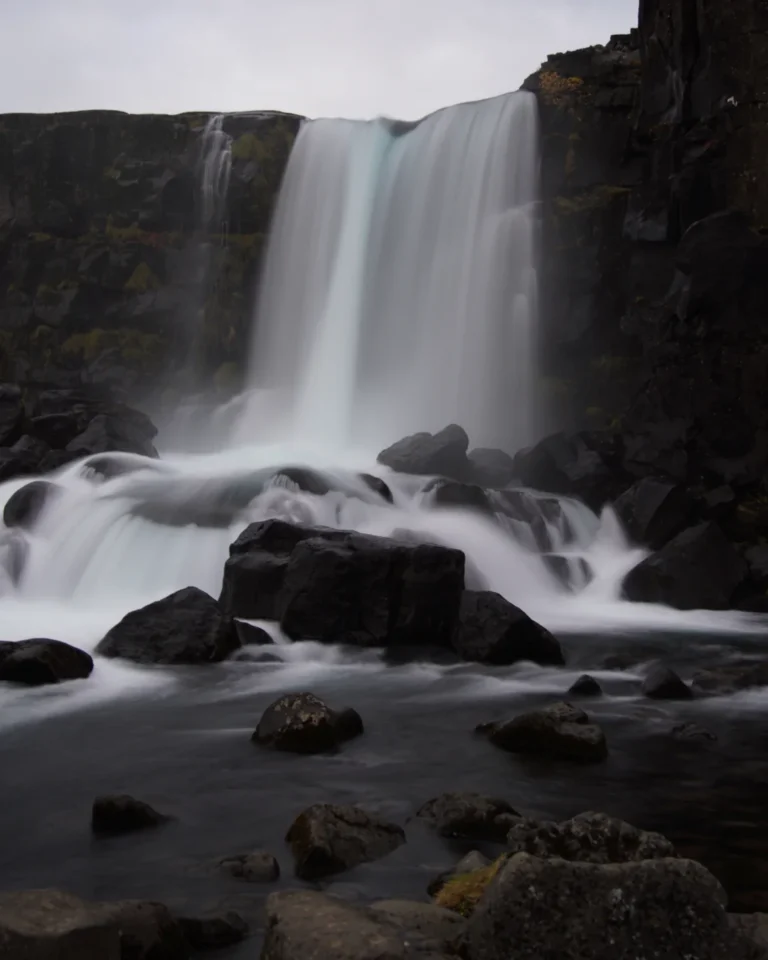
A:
[354,58]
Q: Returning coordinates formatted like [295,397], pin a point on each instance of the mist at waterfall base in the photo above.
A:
[399,294]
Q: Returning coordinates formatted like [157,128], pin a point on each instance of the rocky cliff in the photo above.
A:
[107,275]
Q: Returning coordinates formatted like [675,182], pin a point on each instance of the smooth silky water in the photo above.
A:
[399,294]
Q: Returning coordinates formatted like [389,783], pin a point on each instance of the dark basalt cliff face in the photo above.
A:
[656,214]
[104,265]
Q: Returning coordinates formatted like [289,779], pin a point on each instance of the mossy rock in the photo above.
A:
[462,893]
[143,280]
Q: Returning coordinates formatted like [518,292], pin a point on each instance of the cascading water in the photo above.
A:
[215,167]
[399,294]
[418,306]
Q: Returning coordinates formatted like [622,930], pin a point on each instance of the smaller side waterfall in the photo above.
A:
[214,170]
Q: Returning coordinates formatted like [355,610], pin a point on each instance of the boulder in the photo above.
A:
[442,454]
[302,723]
[692,733]
[147,931]
[661,683]
[257,564]
[653,511]
[43,924]
[585,686]
[421,921]
[574,464]
[248,634]
[123,814]
[11,414]
[572,572]
[15,463]
[589,838]
[328,839]
[470,863]
[213,933]
[698,570]
[259,867]
[731,678]
[469,816]
[307,925]
[616,911]
[14,550]
[108,434]
[188,627]
[26,504]
[538,514]
[39,662]
[371,591]
[491,468]
[378,486]
[754,926]
[56,429]
[494,631]
[466,496]
[301,478]
[559,732]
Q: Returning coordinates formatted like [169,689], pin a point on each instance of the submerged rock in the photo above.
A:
[378,486]
[652,908]
[661,683]
[329,838]
[188,627]
[259,867]
[442,454]
[585,686]
[466,496]
[123,814]
[698,570]
[39,662]
[27,503]
[469,816]
[302,723]
[731,678]
[213,933]
[492,630]
[561,732]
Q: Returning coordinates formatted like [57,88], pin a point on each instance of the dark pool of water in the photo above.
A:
[188,752]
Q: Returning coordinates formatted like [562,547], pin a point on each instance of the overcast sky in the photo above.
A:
[354,58]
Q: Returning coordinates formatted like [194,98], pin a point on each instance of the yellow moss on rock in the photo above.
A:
[462,893]
[558,90]
[248,147]
[134,346]
[143,280]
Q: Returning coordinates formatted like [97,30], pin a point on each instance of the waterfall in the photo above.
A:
[214,169]
[400,286]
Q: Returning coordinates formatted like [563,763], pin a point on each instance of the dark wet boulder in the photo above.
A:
[302,478]
[371,591]
[248,634]
[540,516]
[378,486]
[11,414]
[494,631]
[56,429]
[308,925]
[653,511]
[302,723]
[147,931]
[258,867]
[731,678]
[26,504]
[698,569]
[491,468]
[585,686]
[213,933]
[14,551]
[123,814]
[465,496]
[108,434]
[589,838]
[328,839]
[39,662]
[188,627]
[558,732]
[17,463]
[469,863]
[574,464]
[616,911]
[661,683]
[469,816]
[572,572]
[54,460]
[442,454]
